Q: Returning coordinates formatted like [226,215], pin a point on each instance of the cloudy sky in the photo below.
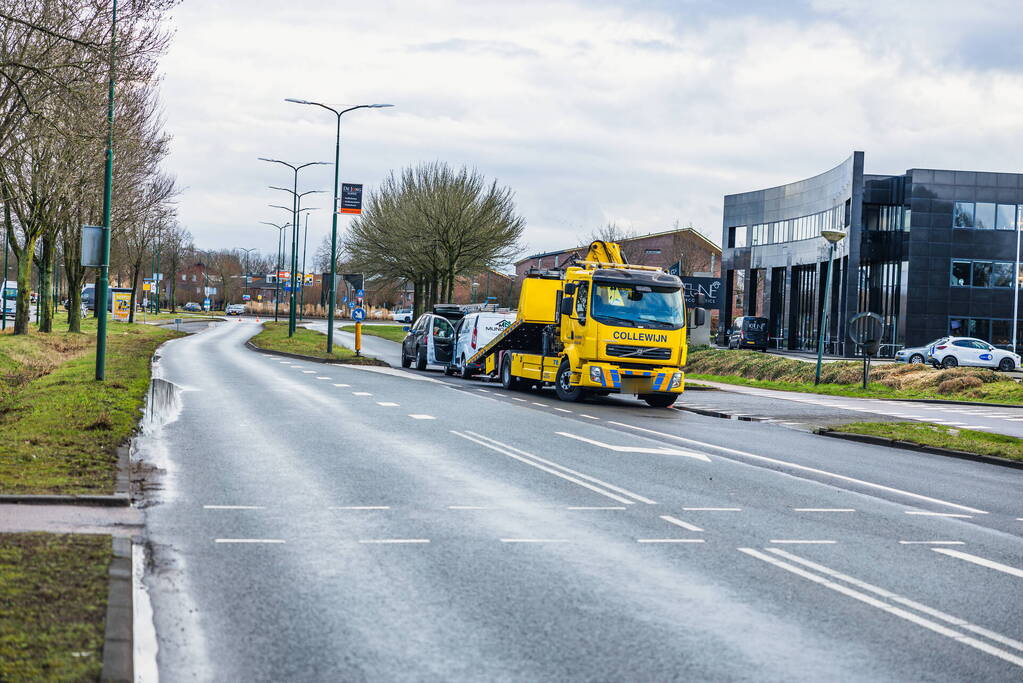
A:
[641,112]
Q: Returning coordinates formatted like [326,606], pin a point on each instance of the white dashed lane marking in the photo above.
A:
[669,540]
[308,372]
[925,513]
[393,541]
[823,510]
[931,543]
[323,377]
[360,507]
[233,507]
[798,541]
[387,404]
[678,522]
[421,417]
[361,393]
[249,540]
[342,385]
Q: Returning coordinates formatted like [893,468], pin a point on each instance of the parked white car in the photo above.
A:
[955,351]
[472,333]
[402,315]
[918,354]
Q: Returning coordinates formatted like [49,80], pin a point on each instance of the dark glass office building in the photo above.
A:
[933,252]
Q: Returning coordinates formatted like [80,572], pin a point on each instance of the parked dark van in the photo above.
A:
[748,332]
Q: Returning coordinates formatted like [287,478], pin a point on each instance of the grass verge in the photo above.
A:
[59,428]
[53,600]
[306,342]
[390,332]
[941,436]
[843,378]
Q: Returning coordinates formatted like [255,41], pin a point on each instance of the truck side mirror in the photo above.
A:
[699,317]
[566,306]
[701,300]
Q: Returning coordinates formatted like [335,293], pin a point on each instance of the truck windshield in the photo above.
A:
[638,305]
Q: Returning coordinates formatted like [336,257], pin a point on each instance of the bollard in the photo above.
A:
[358,338]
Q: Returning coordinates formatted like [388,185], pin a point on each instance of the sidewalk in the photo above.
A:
[998,420]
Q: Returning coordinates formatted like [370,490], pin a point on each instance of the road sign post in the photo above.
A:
[866,330]
[358,315]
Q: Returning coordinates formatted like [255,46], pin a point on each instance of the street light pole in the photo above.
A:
[305,246]
[277,273]
[833,237]
[3,295]
[294,230]
[103,283]
[333,223]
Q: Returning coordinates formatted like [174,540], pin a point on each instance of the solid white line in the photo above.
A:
[895,597]
[342,385]
[596,507]
[795,541]
[361,393]
[896,611]
[678,522]
[563,410]
[248,540]
[715,509]
[805,468]
[612,487]
[360,507]
[387,404]
[990,564]
[233,507]
[417,416]
[549,470]
[925,513]
[669,540]
[392,541]
[590,417]
[534,540]
[931,543]
[823,510]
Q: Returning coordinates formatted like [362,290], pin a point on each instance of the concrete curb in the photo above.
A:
[715,413]
[314,359]
[118,645]
[116,500]
[976,404]
[910,446]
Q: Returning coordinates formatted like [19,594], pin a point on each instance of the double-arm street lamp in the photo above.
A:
[295,231]
[279,265]
[294,228]
[245,267]
[334,209]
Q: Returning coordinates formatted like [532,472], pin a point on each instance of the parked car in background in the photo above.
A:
[748,332]
[472,333]
[235,309]
[955,351]
[431,341]
[402,315]
[192,306]
[917,354]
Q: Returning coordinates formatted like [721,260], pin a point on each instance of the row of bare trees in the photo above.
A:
[56,58]
[431,224]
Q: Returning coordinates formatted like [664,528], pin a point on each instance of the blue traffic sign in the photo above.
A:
[359,293]
[344,299]
[358,314]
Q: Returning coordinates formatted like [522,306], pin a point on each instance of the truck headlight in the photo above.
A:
[596,375]
[676,380]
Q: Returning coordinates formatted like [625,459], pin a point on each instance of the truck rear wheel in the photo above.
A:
[563,385]
[508,380]
[659,400]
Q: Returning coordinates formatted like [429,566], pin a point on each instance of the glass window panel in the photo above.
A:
[981,274]
[1005,217]
[1001,274]
[962,215]
[1000,332]
[984,217]
[960,274]
[956,327]
[980,328]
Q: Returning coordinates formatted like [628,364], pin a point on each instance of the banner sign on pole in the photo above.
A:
[92,245]
[121,308]
[351,198]
[710,287]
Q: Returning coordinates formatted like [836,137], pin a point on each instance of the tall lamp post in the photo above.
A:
[294,230]
[333,226]
[245,267]
[833,237]
[280,257]
[103,282]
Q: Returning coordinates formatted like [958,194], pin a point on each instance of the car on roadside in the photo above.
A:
[235,309]
[917,355]
[192,306]
[402,315]
[968,351]
[748,332]
[472,333]
[431,341]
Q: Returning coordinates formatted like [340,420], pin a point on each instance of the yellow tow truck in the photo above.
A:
[599,326]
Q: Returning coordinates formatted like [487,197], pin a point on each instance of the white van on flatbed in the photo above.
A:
[472,333]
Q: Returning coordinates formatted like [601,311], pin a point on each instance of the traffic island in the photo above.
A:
[53,606]
[305,344]
[393,333]
[928,437]
[60,430]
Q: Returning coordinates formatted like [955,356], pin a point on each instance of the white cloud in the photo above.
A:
[644,113]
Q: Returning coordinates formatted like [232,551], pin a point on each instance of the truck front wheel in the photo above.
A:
[563,384]
[659,400]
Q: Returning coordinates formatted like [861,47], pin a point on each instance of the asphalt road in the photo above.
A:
[322,522]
